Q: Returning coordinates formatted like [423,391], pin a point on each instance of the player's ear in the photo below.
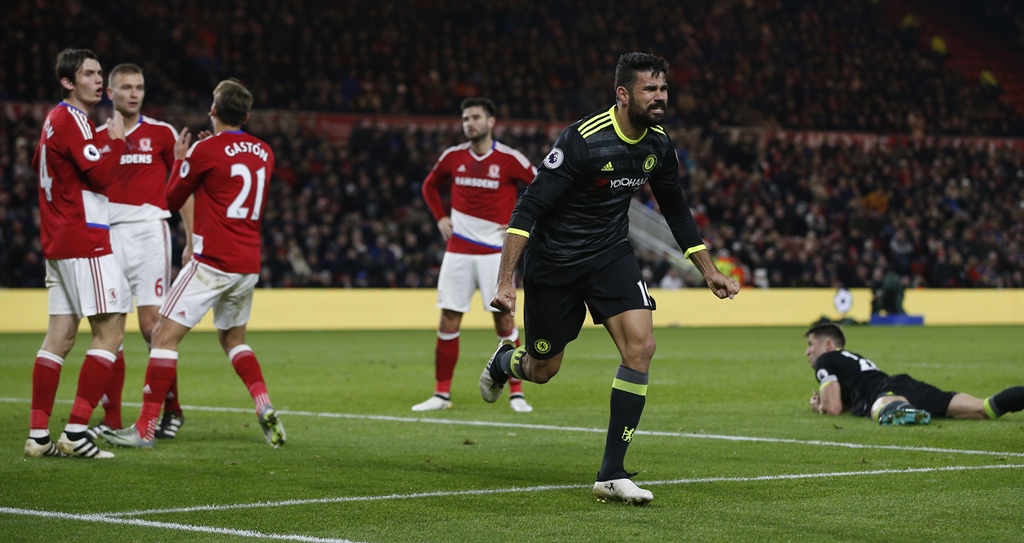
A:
[67,84]
[622,96]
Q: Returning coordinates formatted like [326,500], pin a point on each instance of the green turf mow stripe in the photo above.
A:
[520,490]
[481,423]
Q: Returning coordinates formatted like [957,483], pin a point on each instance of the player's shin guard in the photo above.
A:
[45,378]
[446,355]
[92,381]
[1010,400]
[113,392]
[161,372]
[248,368]
[629,394]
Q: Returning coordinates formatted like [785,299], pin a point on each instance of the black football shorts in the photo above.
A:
[920,394]
[554,313]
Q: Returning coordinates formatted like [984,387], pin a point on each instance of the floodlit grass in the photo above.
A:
[727,444]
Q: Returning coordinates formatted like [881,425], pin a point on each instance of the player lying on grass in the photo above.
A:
[849,382]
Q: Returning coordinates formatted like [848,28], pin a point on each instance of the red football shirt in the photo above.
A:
[73,175]
[229,174]
[484,191]
[137,193]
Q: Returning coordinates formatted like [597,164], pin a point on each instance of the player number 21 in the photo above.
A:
[236,210]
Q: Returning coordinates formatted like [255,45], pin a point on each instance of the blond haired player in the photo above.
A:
[139,233]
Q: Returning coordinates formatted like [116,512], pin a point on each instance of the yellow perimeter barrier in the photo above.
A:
[404,309]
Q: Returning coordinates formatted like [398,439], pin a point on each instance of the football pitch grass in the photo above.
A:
[727,444]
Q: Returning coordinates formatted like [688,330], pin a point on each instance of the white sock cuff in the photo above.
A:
[447,336]
[100,353]
[238,349]
[163,353]
[514,336]
[50,356]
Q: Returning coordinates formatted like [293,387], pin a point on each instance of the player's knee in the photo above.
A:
[541,371]
[542,376]
[648,347]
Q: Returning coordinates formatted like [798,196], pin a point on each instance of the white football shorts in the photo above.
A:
[463,274]
[87,286]
[199,287]
[144,251]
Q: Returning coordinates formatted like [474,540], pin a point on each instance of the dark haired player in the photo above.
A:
[572,223]
[484,177]
[849,382]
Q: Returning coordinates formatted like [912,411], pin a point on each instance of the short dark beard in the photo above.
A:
[643,116]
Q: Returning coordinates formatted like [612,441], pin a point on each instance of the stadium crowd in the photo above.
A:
[814,216]
[807,64]
[348,213]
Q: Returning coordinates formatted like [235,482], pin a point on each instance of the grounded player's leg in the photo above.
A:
[243,359]
[896,410]
[1010,400]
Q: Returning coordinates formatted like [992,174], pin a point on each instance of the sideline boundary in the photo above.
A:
[524,426]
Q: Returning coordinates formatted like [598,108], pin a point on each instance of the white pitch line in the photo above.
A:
[489,424]
[520,490]
[172,526]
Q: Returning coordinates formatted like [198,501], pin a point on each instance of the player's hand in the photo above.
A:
[204,134]
[181,146]
[445,226]
[816,402]
[115,126]
[186,255]
[505,297]
[722,285]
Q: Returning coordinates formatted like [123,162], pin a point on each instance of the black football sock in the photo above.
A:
[1010,400]
[512,363]
[629,394]
[500,369]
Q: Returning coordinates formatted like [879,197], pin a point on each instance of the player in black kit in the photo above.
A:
[572,222]
[848,381]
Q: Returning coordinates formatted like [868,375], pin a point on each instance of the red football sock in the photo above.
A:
[248,368]
[92,381]
[45,378]
[515,386]
[446,355]
[171,403]
[160,374]
[112,394]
